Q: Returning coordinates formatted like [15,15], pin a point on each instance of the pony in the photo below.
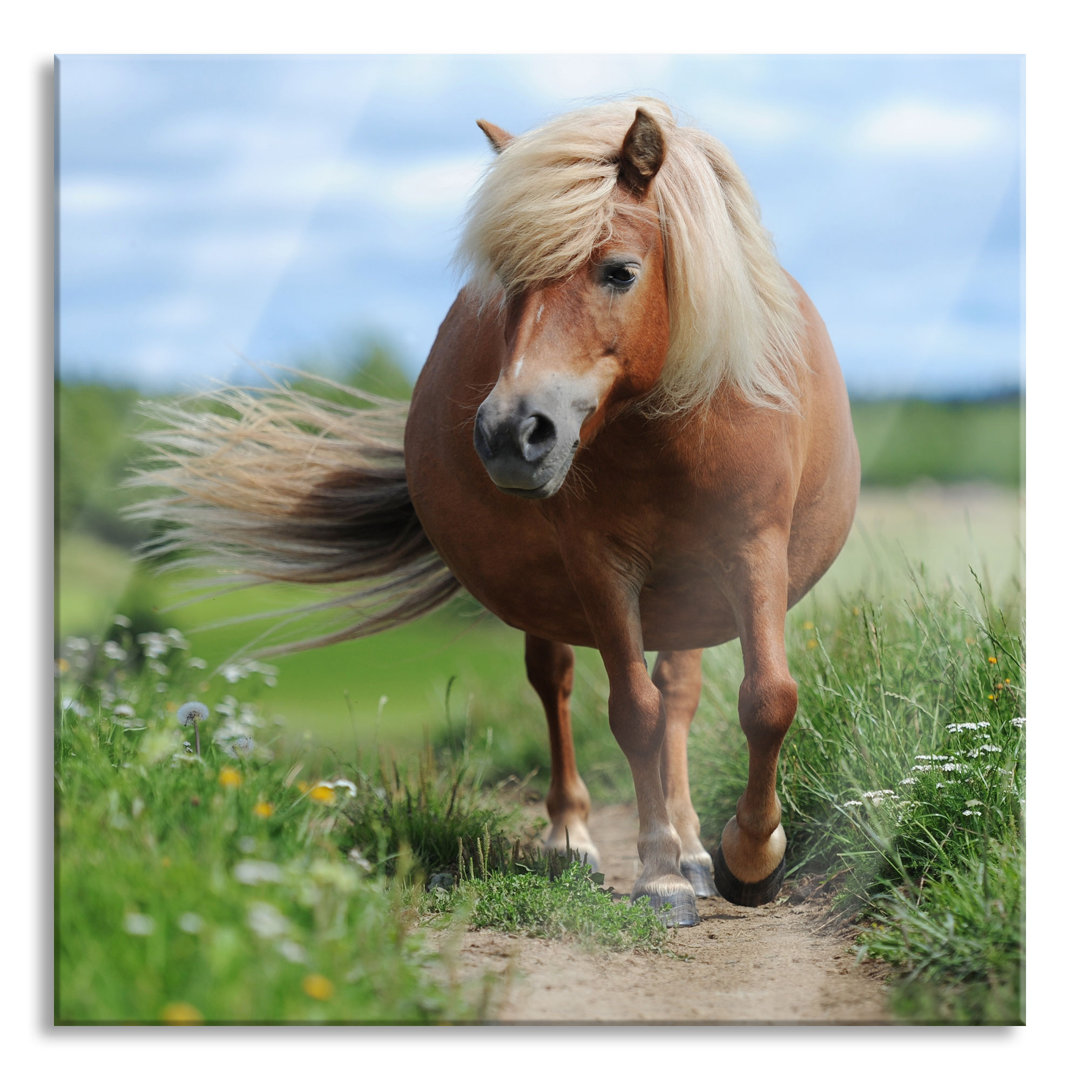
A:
[631,434]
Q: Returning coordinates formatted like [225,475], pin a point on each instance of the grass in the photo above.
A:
[902,779]
[261,882]
[246,884]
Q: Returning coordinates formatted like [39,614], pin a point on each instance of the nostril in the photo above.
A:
[536,436]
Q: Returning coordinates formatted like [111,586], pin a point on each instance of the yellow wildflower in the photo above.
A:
[317,986]
[180,1012]
[322,793]
[991,659]
[229,777]
[263,809]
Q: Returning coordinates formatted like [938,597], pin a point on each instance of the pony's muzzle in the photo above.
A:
[526,448]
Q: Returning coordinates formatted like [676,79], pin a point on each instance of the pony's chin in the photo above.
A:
[544,491]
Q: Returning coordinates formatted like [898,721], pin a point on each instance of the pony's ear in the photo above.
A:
[498,138]
[642,153]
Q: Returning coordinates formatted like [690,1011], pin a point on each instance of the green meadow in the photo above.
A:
[338,805]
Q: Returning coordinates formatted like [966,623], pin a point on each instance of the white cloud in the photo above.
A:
[242,254]
[560,79]
[746,120]
[88,195]
[924,127]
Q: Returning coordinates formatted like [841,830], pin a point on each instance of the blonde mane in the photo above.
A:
[547,201]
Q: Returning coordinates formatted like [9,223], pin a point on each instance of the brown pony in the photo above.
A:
[631,434]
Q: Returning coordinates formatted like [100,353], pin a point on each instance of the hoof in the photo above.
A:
[700,877]
[678,909]
[746,894]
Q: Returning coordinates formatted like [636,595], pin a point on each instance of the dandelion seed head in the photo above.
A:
[191,712]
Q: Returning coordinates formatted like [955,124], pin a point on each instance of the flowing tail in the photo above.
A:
[283,486]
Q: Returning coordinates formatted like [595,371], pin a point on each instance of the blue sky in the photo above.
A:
[213,209]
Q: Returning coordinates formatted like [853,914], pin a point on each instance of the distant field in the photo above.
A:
[907,439]
[333,695]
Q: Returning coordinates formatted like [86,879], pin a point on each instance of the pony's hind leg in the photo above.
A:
[677,676]
[550,667]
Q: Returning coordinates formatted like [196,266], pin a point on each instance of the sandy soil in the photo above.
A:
[785,963]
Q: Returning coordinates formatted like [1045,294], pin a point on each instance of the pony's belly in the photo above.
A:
[534,593]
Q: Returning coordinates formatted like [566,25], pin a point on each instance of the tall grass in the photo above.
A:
[206,873]
[902,781]
[218,886]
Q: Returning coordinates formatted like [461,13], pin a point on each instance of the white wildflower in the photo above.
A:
[877,797]
[292,952]
[114,651]
[267,921]
[1018,721]
[356,856]
[138,924]
[153,645]
[190,923]
[256,872]
[345,785]
[233,673]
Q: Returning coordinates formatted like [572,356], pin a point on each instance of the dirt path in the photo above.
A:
[780,964]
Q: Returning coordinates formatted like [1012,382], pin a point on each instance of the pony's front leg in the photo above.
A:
[550,667]
[677,676]
[750,860]
[636,715]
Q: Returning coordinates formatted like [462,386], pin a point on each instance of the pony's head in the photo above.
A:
[630,265]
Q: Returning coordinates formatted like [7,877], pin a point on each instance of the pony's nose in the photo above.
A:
[528,437]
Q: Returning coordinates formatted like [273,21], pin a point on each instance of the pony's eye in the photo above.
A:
[620,276]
